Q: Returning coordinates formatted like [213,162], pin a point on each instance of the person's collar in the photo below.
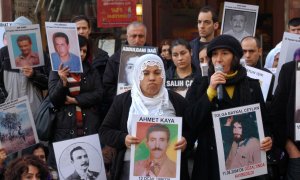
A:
[229,76]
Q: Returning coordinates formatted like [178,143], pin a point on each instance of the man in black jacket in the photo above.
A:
[252,53]
[207,24]
[98,58]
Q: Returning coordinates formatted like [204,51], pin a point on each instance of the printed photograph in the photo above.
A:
[155,155]
[240,140]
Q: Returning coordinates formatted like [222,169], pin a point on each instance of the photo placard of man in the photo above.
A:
[245,148]
[158,163]
[27,56]
[62,54]
[80,160]
[238,22]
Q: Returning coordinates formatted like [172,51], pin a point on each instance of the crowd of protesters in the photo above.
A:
[93,107]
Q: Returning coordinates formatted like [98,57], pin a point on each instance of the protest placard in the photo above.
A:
[80,158]
[290,44]
[17,128]
[155,156]
[238,133]
[239,20]
[64,46]
[24,46]
[180,86]
[297,103]
[264,78]
[130,54]
[3,41]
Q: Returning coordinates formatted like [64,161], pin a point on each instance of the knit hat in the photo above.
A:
[226,42]
[21,21]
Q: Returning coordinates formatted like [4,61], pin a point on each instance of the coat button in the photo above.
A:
[71,131]
[70,113]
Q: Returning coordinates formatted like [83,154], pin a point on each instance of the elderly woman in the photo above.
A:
[239,90]
[27,167]
[147,97]
[77,98]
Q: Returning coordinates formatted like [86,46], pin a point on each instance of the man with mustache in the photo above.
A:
[80,160]
[158,164]
[245,148]
[238,23]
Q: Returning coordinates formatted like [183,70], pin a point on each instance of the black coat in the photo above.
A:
[89,98]
[110,77]
[114,129]
[199,116]
[283,105]
[196,45]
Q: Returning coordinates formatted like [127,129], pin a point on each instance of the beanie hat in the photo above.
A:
[21,21]
[225,42]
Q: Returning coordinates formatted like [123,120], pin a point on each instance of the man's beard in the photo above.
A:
[237,137]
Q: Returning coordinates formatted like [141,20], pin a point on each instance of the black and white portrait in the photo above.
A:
[238,22]
[80,158]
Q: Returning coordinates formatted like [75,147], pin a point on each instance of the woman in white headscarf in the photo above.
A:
[147,97]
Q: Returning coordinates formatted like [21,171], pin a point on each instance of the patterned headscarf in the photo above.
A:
[142,105]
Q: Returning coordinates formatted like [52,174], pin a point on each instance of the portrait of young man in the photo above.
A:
[62,54]
[80,161]
[27,56]
[158,163]
[243,145]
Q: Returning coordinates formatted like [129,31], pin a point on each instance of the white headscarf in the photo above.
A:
[142,105]
[270,57]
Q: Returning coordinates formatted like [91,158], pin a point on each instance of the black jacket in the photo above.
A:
[89,98]
[283,106]
[196,46]
[200,118]
[114,128]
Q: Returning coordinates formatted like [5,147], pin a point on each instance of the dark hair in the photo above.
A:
[163,43]
[80,18]
[24,38]
[294,21]
[248,126]
[182,42]
[210,9]
[83,41]
[75,149]
[296,53]
[60,34]
[20,165]
[254,38]
[42,146]
[203,47]
[235,64]
[158,127]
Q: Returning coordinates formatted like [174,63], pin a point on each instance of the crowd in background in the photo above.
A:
[94,108]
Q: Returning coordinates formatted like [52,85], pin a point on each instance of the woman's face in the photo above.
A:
[165,52]
[223,57]
[32,174]
[203,56]
[181,57]
[40,153]
[83,51]
[152,81]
